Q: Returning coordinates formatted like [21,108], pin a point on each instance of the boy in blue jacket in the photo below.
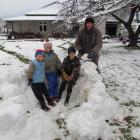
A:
[36,79]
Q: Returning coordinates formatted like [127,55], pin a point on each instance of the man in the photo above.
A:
[89,40]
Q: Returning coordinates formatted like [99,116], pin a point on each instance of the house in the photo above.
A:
[42,23]
[37,23]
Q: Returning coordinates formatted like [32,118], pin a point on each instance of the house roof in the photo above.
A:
[31,18]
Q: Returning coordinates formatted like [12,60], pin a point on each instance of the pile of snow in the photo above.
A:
[20,113]
[89,120]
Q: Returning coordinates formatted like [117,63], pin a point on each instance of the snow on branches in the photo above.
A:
[74,10]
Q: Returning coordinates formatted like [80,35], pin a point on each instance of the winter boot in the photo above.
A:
[51,103]
[97,69]
[67,99]
[65,103]
[59,96]
[46,108]
[56,99]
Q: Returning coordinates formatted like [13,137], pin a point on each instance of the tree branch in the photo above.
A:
[132,14]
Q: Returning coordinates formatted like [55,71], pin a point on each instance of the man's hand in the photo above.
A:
[92,55]
[81,52]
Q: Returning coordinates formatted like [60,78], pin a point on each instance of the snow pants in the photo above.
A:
[52,84]
[69,89]
[39,90]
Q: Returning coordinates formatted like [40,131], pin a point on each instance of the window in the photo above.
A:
[42,26]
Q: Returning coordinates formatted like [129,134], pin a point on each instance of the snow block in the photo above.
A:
[12,116]
[88,121]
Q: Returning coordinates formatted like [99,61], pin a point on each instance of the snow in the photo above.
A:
[93,103]
[93,109]
[31,18]
[81,9]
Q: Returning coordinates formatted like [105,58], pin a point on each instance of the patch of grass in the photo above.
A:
[132,47]
[62,125]
[68,42]
[131,103]
[113,123]
[60,46]
[129,119]
[18,47]
[3,64]
[127,133]
[18,56]
[57,139]
[125,127]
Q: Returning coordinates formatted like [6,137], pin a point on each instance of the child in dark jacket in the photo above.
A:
[70,73]
[36,79]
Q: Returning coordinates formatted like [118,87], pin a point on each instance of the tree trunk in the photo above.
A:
[132,36]
[132,41]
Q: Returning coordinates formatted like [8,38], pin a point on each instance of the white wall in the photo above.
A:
[33,26]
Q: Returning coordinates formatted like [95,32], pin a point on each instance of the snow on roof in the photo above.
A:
[31,18]
[50,9]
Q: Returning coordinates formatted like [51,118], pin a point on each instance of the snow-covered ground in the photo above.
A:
[109,103]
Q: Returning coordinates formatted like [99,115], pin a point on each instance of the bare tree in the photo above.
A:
[133,35]
[75,10]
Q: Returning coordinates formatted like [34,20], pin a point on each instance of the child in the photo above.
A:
[70,73]
[36,79]
[52,66]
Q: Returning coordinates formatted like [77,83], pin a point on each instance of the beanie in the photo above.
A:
[71,49]
[89,19]
[39,52]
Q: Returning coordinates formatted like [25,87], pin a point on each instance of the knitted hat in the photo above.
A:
[39,52]
[89,19]
[71,49]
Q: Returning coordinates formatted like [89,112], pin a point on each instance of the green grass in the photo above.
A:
[63,126]
[131,103]
[62,45]
[18,56]
[125,127]
[57,139]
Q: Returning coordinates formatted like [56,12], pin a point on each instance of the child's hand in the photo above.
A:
[29,82]
[70,78]
[65,77]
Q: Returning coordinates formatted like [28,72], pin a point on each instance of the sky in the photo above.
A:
[12,8]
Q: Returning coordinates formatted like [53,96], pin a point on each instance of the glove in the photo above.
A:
[29,82]
[64,76]
[92,55]
[81,52]
[70,77]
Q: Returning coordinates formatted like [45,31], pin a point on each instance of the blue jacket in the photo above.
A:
[36,71]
